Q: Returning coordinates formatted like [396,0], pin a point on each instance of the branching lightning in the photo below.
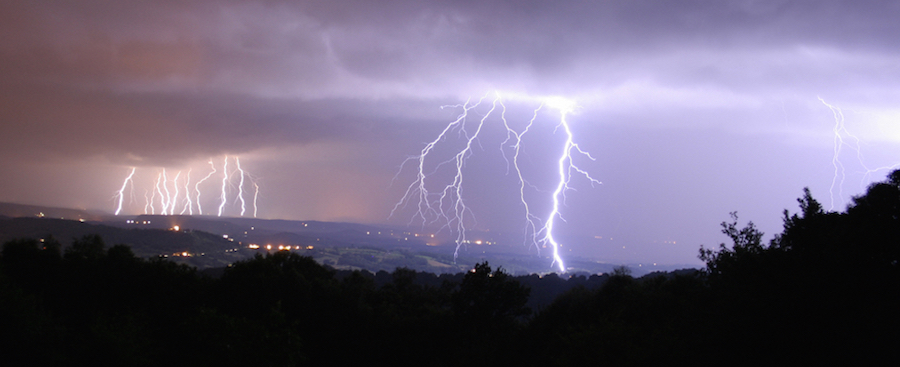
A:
[120,195]
[447,206]
[197,186]
[842,138]
[166,191]
[566,168]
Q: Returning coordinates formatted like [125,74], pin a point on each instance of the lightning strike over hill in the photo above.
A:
[447,206]
[120,195]
[166,191]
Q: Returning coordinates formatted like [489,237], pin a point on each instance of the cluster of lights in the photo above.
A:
[132,221]
[183,254]
[270,247]
[480,242]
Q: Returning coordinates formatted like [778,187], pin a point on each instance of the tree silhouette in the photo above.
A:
[486,295]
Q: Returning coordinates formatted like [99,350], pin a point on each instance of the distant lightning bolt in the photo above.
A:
[188,204]
[839,172]
[530,219]
[237,161]
[148,207]
[255,199]
[162,197]
[197,186]
[224,185]
[121,193]
[448,205]
[174,199]
[840,131]
[430,206]
[453,191]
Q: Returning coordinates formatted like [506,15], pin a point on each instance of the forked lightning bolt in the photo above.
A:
[447,205]
[843,138]
[121,193]
[197,186]
[566,168]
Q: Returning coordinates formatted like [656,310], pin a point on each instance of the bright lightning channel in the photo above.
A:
[224,185]
[237,162]
[174,198]
[448,206]
[853,142]
[566,166]
[121,193]
[255,199]
[188,204]
[162,200]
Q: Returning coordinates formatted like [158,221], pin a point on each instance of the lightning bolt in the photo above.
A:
[148,207]
[430,206]
[851,141]
[224,185]
[566,168]
[162,197]
[237,162]
[255,199]
[448,205]
[121,193]
[197,186]
[188,204]
[174,199]
[531,220]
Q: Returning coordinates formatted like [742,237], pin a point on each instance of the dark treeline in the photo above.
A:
[825,290]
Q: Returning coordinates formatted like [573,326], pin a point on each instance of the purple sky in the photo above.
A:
[692,109]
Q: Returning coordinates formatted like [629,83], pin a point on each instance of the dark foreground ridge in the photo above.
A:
[827,289]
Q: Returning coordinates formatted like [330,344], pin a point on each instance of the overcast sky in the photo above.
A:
[692,109]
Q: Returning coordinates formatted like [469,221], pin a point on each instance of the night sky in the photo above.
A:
[692,109]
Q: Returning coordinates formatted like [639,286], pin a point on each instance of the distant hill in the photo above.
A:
[210,241]
[20,210]
[196,248]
